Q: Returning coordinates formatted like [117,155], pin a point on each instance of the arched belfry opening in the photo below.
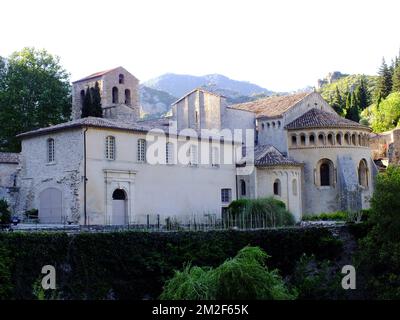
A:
[119,204]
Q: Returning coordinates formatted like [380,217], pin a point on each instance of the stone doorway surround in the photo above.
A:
[119,179]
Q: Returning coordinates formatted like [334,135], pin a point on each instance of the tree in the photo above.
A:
[337,102]
[34,93]
[87,104]
[362,95]
[91,106]
[353,112]
[387,115]
[96,101]
[396,78]
[384,85]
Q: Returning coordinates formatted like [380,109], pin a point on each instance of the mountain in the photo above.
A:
[178,85]
[154,103]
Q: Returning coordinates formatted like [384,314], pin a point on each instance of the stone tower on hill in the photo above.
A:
[119,94]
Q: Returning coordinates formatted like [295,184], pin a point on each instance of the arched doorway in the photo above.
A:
[119,216]
[50,206]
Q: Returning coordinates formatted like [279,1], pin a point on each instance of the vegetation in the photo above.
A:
[135,265]
[5,214]
[34,93]
[379,256]
[257,213]
[91,106]
[334,216]
[243,277]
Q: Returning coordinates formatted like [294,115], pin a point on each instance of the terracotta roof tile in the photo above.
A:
[269,156]
[271,106]
[316,118]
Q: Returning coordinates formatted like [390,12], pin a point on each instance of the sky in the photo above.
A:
[281,45]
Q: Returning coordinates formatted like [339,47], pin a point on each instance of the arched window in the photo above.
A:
[273,124]
[294,187]
[169,153]
[268,125]
[127,97]
[330,139]
[114,95]
[277,187]
[242,187]
[321,139]
[347,138]
[311,138]
[303,139]
[325,170]
[121,79]
[279,124]
[294,140]
[339,139]
[82,97]
[119,194]
[359,140]
[353,139]
[110,148]
[262,126]
[50,150]
[363,173]
[141,150]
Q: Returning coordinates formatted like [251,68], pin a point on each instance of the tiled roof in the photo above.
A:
[316,118]
[90,122]
[269,156]
[198,89]
[8,157]
[95,75]
[271,106]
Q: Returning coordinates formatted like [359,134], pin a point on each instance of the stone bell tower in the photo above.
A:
[119,91]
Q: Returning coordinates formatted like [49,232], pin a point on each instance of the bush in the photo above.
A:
[335,216]
[379,256]
[5,214]
[257,213]
[243,277]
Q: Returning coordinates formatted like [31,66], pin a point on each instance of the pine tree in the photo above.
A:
[384,86]
[396,77]
[337,102]
[353,112]
[97,111]
[87,104]
[362,95]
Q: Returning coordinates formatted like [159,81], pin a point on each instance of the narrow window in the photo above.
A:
[312,139]
[127,97]
[110,148]
[303,140]
[321,139]
[141,150]
[114,95]
[339,139]
[82,97]
[277,187]
[121,79]
[363,173]
[226,195]
[169,153]
[294,187]
[330,139]
[294,140]
[242,187]
[50,150]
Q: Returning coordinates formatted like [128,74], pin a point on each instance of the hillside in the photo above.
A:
[154,103]
[347,83]
[178,85]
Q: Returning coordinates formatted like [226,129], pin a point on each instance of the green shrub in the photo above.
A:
[5,273]
[335,216]
[5,214]
[258,213]
[243,277]
[379,256]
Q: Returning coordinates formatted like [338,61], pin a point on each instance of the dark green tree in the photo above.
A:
[34,93]
[396,78]
[97,111]
[384,85]
[338,103]
[353,112]
[362,95]
[87,104]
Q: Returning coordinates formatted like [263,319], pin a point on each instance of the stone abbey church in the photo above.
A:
[96,170]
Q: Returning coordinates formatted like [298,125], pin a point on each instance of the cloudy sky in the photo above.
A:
[281,45]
